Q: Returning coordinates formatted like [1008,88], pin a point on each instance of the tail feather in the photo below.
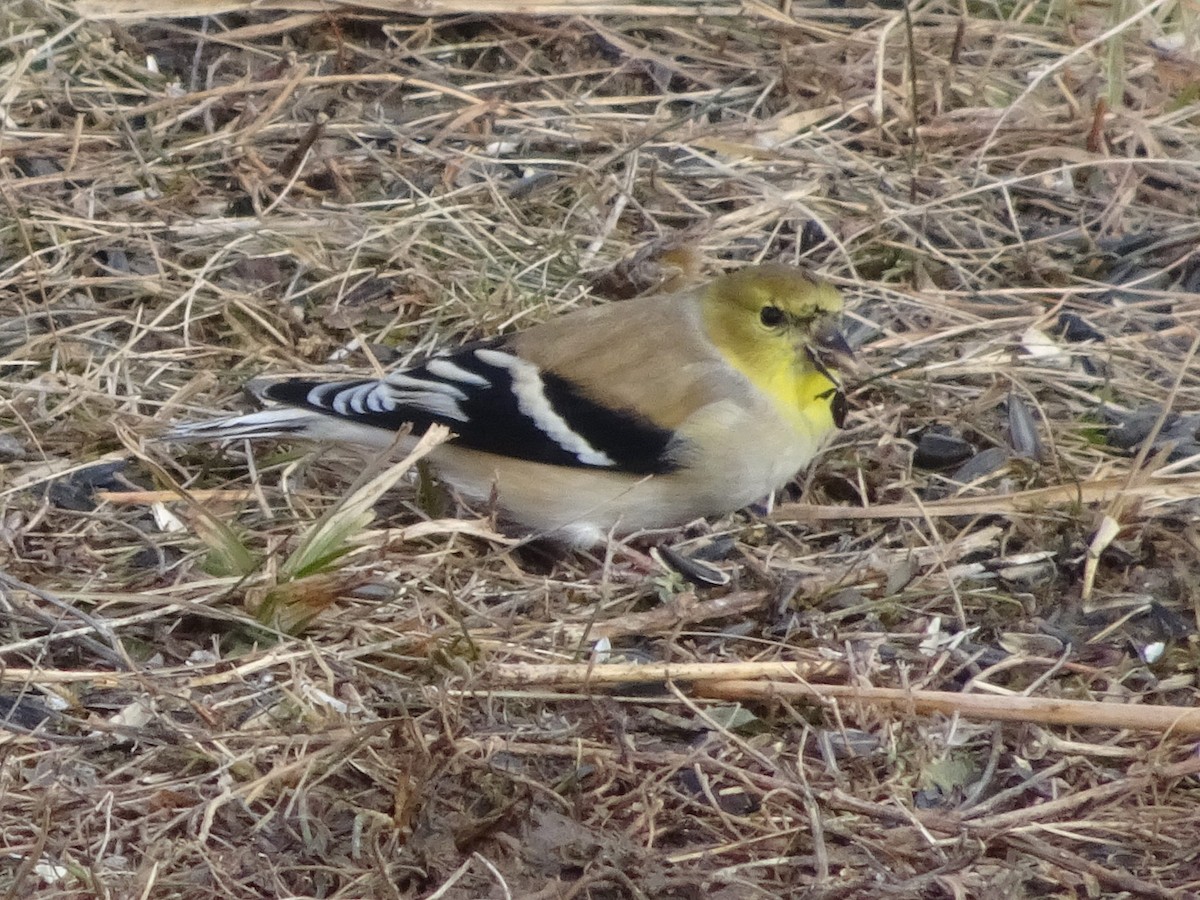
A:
[281,422]
[270,423]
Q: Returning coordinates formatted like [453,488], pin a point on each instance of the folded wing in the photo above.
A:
[491,399]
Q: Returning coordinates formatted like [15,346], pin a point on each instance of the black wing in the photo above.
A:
[494,402]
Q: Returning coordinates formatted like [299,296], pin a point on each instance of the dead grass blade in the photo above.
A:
[335,533]
[1154,492]
[897,701]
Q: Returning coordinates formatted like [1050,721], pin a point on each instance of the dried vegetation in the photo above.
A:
[218,682]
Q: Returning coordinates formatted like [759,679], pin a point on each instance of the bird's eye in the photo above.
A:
[772,316]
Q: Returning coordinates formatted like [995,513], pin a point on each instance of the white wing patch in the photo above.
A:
[532,403]
[438,398]
[449,370]
[361,399]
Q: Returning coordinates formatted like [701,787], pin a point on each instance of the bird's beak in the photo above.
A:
[831,350]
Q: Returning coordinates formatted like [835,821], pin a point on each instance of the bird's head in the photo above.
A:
[774,318]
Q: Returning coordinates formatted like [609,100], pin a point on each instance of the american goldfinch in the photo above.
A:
[634,415]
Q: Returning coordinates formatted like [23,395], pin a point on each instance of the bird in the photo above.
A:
[620,418]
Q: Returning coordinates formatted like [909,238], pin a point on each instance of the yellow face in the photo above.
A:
[778,327]
[775,319]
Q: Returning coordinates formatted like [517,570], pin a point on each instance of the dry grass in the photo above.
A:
[200,704]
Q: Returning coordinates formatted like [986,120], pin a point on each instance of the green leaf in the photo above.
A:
[332,537]
[228,556]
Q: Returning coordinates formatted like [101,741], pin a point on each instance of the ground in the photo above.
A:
[959,655]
